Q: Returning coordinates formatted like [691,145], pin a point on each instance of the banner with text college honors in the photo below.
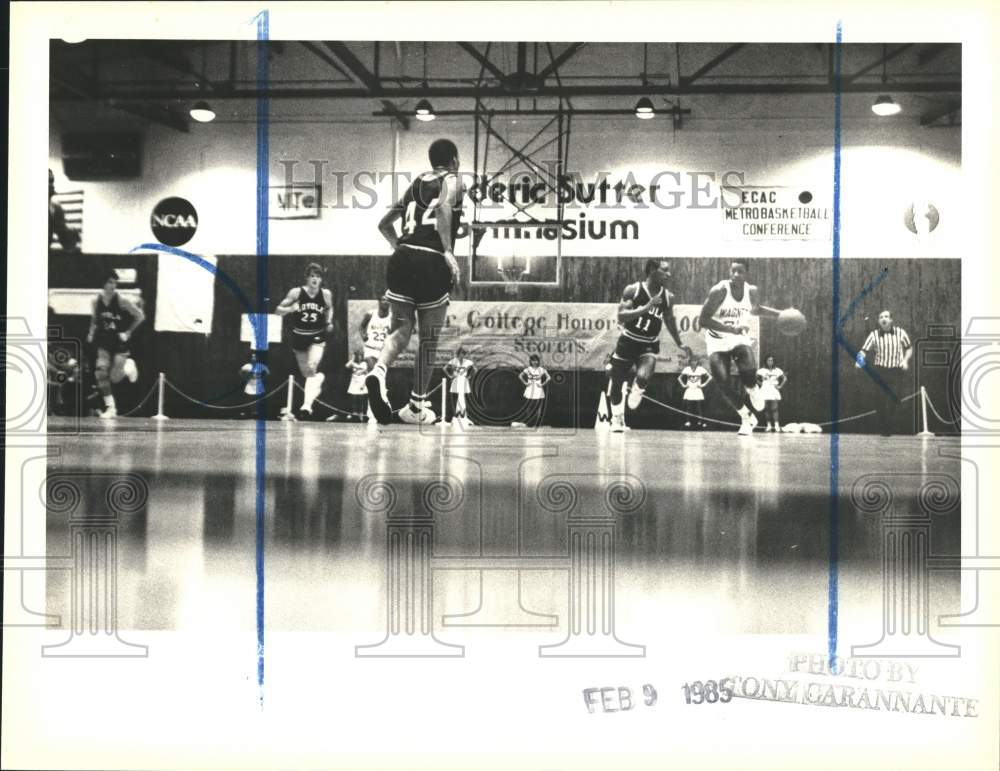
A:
[570,336]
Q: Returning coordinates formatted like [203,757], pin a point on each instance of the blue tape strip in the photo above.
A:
[833,584]
[263,162]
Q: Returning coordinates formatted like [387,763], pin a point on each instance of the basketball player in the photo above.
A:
[644,308]
[419,277]
[113,320]
[375,329]
[725,317]
[313,309]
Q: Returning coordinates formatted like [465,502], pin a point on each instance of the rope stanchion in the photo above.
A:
[923,413]
[929,403]
[444,403]
[161,385]
[288,399]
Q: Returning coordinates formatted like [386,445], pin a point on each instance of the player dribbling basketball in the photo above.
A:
[644,309]
[312,307]
[725,317]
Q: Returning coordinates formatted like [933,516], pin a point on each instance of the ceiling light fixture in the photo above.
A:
[202,113]
[424,112]
[884,106]
[644,109]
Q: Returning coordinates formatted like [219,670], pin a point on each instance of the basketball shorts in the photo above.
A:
[632,350]
[111,343]
[418,277]
[724,342]
[303,342]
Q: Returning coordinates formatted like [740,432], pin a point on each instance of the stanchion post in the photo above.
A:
[444,402]
[923,412]
[161,384]
[288,399]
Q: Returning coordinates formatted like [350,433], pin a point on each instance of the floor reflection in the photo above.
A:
[756,552]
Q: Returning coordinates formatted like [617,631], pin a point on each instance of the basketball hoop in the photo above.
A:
[511,278]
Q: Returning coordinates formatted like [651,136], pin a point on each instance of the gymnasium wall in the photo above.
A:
[884,167]
[921,293]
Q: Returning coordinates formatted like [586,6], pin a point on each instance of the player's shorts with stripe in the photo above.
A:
[419,277]
[629,349]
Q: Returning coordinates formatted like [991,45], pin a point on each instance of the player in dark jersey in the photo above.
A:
[311,307]
[113,320]
[419,277]
[644,309]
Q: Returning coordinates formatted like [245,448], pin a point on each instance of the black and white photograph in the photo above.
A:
[618,392]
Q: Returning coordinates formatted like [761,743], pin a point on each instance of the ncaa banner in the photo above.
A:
[572,336]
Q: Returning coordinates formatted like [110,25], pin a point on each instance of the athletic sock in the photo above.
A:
[417,401]
[313,386]
[109,401]
[744,412]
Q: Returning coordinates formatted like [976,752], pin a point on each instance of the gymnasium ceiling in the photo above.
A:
[103,83]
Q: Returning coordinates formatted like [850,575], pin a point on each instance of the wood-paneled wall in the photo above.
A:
[924,296]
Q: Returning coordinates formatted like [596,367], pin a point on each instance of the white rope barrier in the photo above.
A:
[930,404]
[162,383]
[200,403]
[347,412]
[140,404]
[646,397]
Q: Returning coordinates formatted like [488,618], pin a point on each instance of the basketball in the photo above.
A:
[791,322]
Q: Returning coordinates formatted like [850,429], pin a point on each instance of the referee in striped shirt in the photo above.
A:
[893,351]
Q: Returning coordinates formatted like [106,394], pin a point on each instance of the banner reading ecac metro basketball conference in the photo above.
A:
[572,336]
[776,213]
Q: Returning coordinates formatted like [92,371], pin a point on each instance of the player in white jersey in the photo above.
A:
[725,317]
[375,328]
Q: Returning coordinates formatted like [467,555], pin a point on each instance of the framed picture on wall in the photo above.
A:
[295,201]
